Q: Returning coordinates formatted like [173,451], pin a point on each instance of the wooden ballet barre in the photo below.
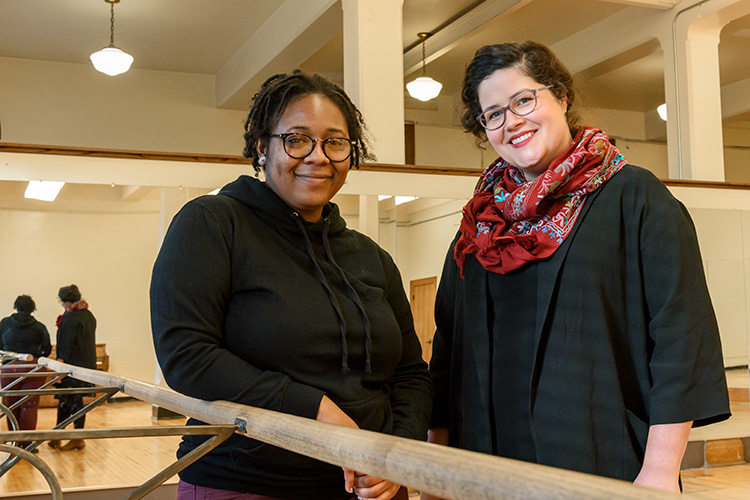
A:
[439,470]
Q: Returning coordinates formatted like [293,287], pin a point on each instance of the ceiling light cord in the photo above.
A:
[112,24]
[424,88]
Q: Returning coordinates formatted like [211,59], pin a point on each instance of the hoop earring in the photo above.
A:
[262,161]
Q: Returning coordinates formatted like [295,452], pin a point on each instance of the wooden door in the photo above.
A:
[422,293]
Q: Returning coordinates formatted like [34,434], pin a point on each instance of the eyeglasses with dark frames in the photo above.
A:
[299,146]
[521,104]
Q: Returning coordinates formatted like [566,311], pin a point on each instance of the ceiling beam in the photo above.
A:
[291,35]
[625,31]
[734,100]
[134,193]
[449,37]
[655,4]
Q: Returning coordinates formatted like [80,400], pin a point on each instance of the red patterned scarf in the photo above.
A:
[510,221]
[81,304]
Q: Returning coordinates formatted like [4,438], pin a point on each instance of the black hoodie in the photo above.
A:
[254,305]
[22,333]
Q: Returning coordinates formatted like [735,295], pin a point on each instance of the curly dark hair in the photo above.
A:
[280,90]
[24,304]
[532,59]
[69,293]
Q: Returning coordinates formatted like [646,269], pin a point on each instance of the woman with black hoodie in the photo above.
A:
[22,333]
[262,296]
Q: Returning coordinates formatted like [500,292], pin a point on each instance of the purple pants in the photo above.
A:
[187,491]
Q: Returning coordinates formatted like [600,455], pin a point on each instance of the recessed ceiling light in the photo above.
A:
[43,190]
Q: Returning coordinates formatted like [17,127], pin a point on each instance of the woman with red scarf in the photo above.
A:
[76,345]
[574,325]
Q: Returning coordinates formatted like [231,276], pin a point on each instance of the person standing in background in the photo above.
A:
[76,345]
[23,334]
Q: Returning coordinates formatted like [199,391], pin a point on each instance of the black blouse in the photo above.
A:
[512,317]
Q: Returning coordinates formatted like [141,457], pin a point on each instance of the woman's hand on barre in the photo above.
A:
[364,486]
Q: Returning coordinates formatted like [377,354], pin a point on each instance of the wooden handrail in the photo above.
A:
[439,470]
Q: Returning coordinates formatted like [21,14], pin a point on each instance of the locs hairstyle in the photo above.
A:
[532,59]
[24,304]
[280,90]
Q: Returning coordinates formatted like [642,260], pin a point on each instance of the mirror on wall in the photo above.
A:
[104,238]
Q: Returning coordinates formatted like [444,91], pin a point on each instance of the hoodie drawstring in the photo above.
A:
[352,293]
[322,279]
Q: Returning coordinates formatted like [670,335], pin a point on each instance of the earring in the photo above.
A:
[262,161]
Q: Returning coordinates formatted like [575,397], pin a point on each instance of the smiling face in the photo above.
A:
[307,184]
[528,142]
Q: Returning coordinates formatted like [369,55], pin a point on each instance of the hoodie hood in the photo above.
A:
[22,319]
[262,199]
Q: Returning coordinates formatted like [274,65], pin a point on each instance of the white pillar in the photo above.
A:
[374,71]
[698,93]
[671,99]
[170,202]
[369,216]
[705,145]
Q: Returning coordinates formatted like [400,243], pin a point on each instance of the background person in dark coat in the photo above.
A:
[574,325]
[76,345]
[22,333]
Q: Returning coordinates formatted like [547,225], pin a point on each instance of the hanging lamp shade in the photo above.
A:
[111,60]
[424,88]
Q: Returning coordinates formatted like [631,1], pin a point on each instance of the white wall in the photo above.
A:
[74,105]
[426,237]
[737,164]
[726,260]
[446,146]
[649,155]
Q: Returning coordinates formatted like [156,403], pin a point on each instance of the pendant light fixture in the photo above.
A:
[111,60]
[424,88]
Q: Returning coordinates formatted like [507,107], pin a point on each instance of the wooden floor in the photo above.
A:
[717,483]
[730,482]
[104,462]
[131,461]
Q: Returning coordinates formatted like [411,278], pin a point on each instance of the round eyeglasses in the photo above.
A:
[300,146]
[521,104]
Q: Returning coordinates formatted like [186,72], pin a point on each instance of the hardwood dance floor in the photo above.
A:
[131,461]
[104,462]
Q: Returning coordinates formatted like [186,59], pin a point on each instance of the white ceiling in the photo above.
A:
[196,36]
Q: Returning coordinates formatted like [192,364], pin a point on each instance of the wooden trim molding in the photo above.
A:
[9,147]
